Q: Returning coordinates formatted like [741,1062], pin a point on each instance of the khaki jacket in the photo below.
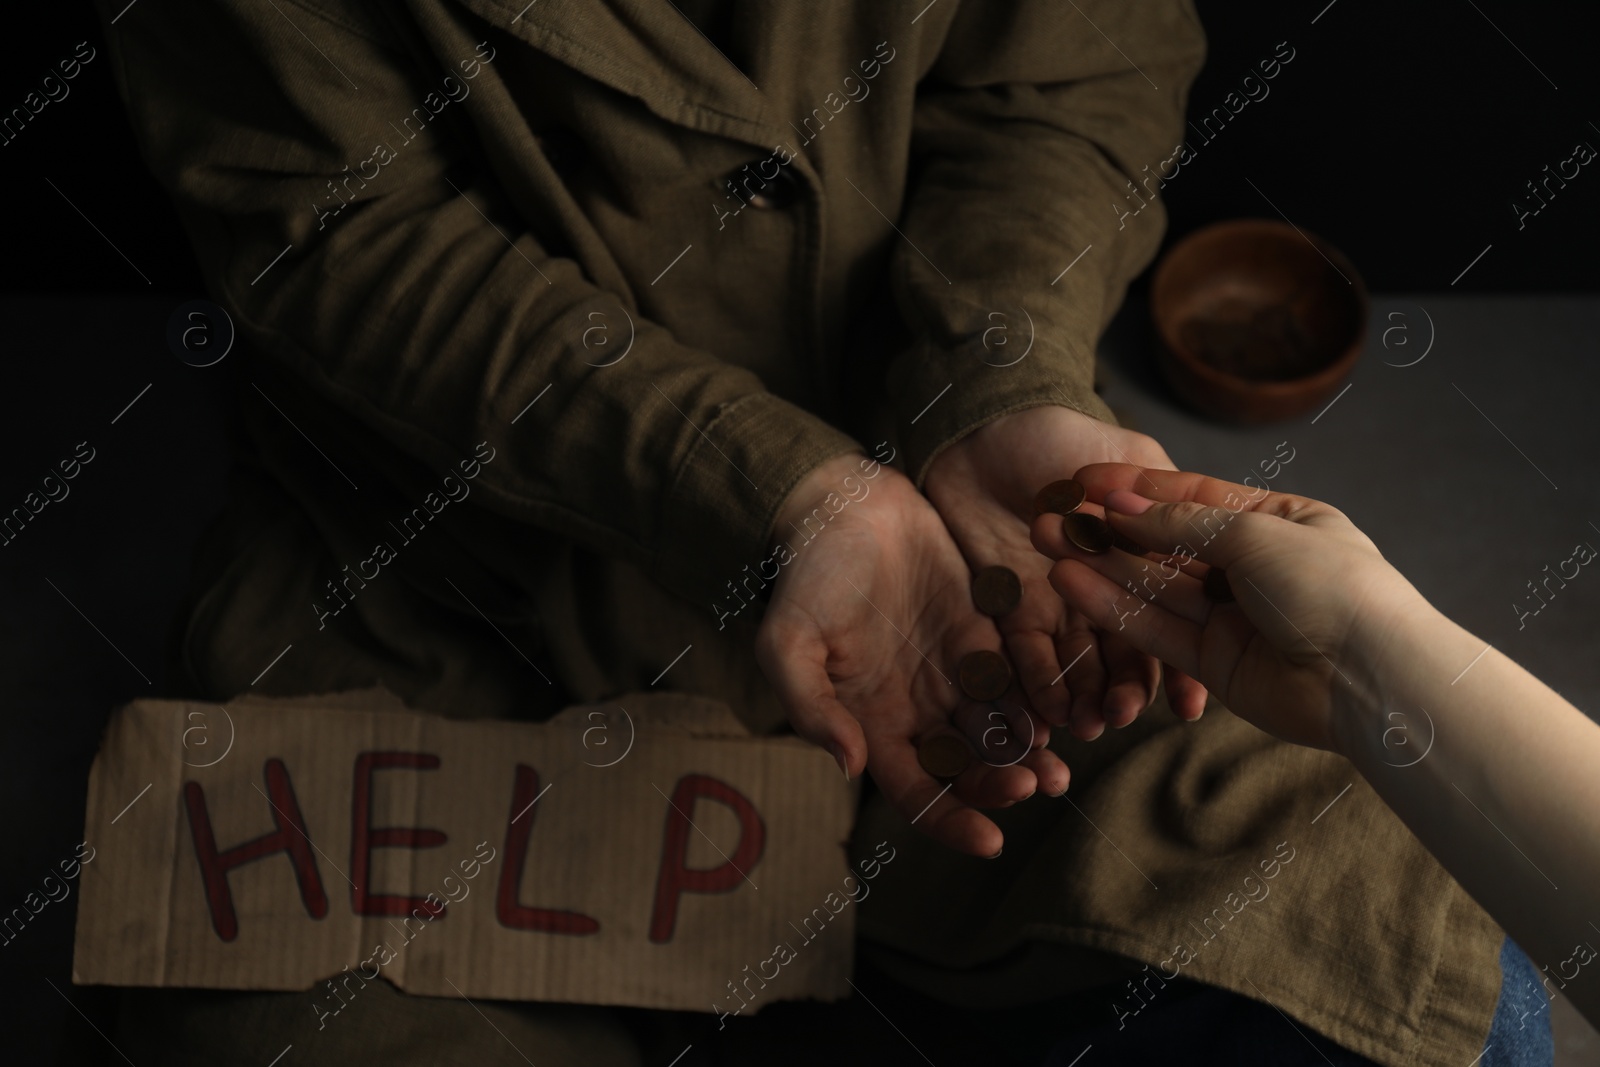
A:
[657,288]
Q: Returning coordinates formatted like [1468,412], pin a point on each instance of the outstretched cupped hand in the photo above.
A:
[1074,674]
[861,640]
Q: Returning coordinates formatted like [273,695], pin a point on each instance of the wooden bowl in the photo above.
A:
[1257,321]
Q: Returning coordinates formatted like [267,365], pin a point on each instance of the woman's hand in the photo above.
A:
[1314,599]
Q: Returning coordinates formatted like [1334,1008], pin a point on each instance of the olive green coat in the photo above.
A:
[437,223]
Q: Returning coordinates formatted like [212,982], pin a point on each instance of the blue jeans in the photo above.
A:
[1211,1026]
[1519,1035]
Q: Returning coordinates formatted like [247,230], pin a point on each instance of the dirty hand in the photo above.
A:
[1073,672]
[867,621]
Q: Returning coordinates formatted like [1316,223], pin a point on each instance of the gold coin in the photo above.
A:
[996,590]
[1059,498]
[1215,586]
[1088,532]
[944,755]
[984,675]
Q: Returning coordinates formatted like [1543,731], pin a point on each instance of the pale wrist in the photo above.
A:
[1390,675]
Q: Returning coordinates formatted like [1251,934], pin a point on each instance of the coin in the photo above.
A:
[1060,498]
[996,590]
[984,675]
[944,755]
[1215,586]
[1087,532]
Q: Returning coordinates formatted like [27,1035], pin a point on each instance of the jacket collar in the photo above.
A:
[648,50]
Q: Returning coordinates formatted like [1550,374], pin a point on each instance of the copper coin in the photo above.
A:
[1088,532]
[984,675]
[1059,498]
[1215,586]
[996,590]
[944,755]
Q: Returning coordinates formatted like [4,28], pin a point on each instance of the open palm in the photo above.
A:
[983,487]
[861,640]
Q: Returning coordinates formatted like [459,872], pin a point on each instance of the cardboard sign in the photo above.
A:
[642,853]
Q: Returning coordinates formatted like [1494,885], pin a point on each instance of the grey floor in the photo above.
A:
[1471,468]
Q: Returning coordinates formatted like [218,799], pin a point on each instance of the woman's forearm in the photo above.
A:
[1496,774]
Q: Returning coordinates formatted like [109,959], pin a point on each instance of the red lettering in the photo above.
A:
[676,878]
[524,790]
[364,837]
[290,838]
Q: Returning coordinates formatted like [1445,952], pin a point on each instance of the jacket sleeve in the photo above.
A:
[1028,129]
[402,287]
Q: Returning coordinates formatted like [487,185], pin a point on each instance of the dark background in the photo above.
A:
[1401,132]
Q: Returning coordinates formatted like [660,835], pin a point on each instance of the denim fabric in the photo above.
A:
[1211,1027]
[1520,1034]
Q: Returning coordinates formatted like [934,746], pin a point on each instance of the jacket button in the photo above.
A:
[774,193]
